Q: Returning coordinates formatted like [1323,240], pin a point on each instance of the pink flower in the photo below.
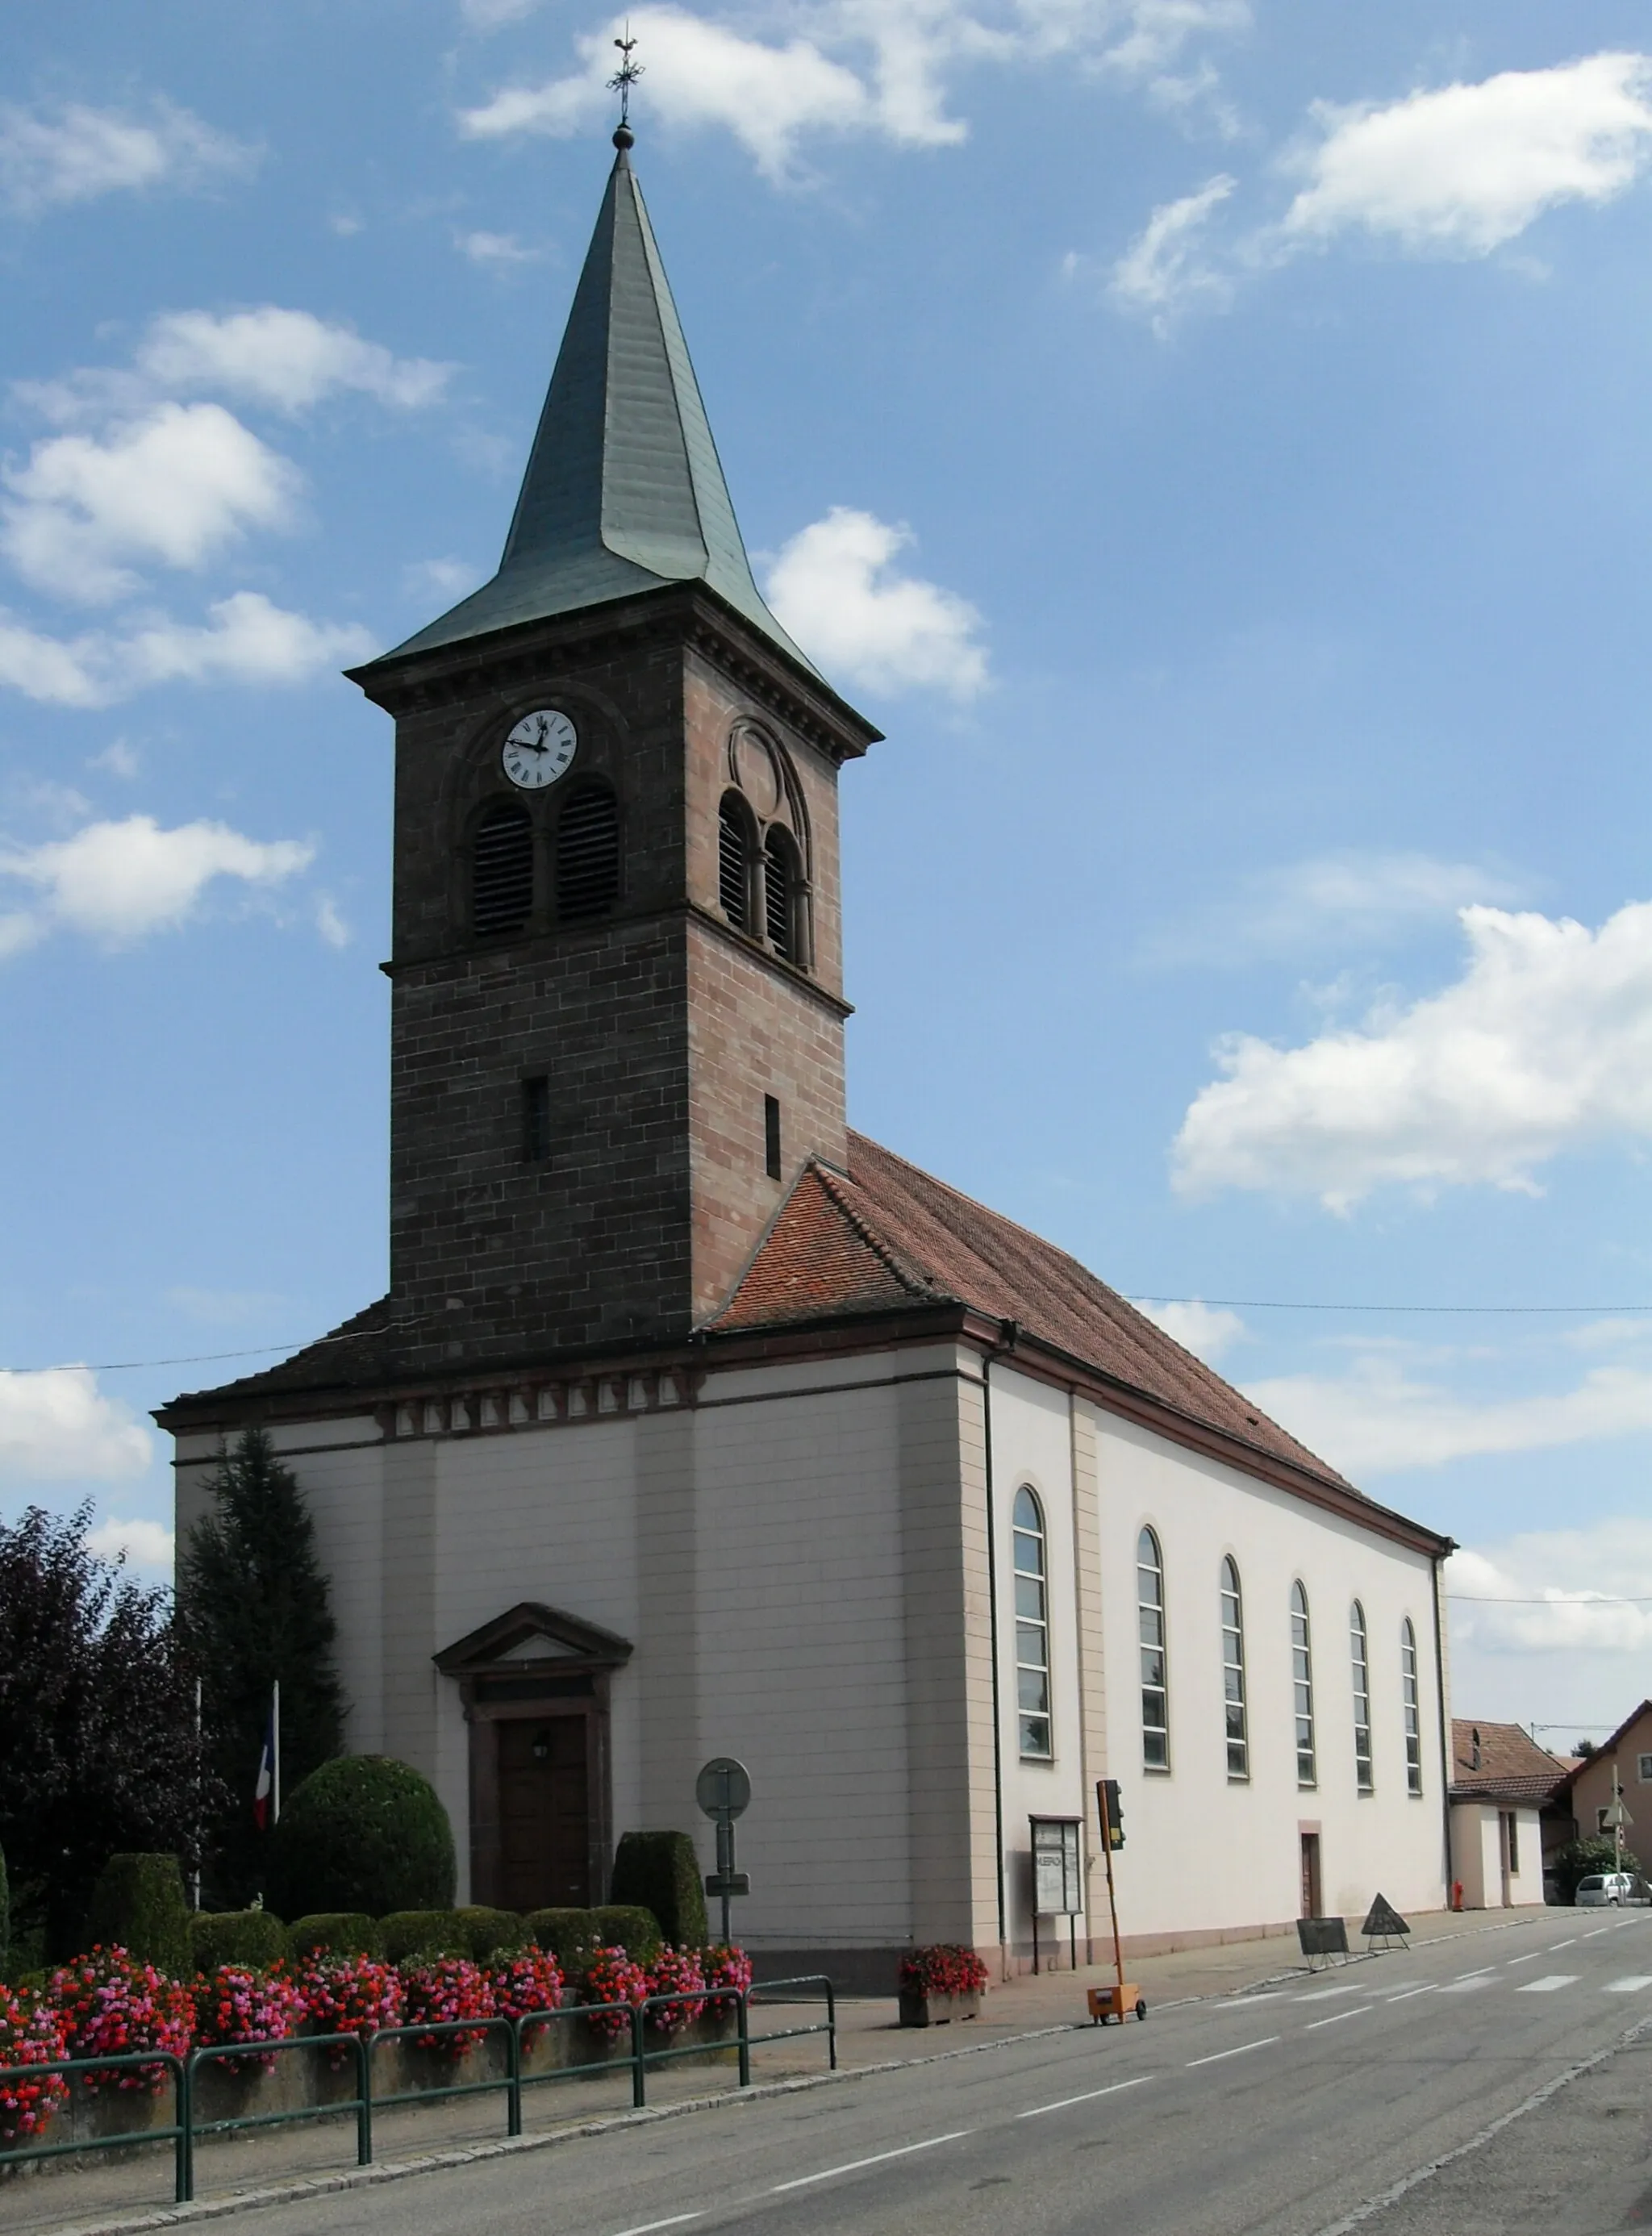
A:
[611,1978]
[672,1970]
[112,2005]
[445,1989]
[235,2004]
[31,2033]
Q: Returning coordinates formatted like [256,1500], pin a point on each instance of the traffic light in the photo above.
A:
[1112,1813]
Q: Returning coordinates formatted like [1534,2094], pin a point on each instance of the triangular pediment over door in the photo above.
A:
[529,1634]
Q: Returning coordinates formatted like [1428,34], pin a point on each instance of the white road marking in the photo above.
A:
[829,2173]
[1632,1986]
[1547,1985]
[1467,1983]
[1239,2052]
[1244,2003]
[1594,1935]
[1358,2012]
[1410,1992]
[1554,1946]
[1088,2097]
[1530,1956]
[675,2221]
[1323,1995]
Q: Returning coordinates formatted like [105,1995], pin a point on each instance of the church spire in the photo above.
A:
[623,490]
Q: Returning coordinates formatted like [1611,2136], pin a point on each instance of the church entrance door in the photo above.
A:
[544,1821]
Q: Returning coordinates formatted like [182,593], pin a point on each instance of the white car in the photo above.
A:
[1609,1889]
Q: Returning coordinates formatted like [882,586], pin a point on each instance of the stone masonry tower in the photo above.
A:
[617,1009]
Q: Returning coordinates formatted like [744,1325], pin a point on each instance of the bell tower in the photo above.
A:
[617,963]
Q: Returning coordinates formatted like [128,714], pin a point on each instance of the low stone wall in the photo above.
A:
[302,2078]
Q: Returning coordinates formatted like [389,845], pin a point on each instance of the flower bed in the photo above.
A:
[111,2006]
[940,1982]
[443,1989]
[612,1978]
[349,1995]
[235,2003]
[31,2033]
[673,1971]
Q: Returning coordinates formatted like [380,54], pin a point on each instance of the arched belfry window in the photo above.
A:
[501,871]
[1359,1650]
[1302,1687]
[587,853]
[780,895]
[1032,1628]
[734,863]
[1232,1670]
[1155,1684]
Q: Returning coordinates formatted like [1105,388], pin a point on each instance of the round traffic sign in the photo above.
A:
[723,1787]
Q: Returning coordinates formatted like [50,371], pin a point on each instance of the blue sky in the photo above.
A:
[1208,435]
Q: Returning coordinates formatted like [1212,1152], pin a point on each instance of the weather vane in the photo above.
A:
[626,76]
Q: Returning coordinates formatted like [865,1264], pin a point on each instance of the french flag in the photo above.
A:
[265,1784]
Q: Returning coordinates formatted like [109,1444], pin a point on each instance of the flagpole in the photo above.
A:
[275,1753]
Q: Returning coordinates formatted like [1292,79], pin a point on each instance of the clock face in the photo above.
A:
[539,748]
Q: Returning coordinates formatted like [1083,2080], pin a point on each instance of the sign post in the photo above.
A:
[1114,2003]
[723,1790]
[1057,1881]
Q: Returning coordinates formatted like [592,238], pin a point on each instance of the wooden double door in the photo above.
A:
[544,1813]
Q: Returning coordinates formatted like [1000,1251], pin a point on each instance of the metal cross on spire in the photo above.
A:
[625,77]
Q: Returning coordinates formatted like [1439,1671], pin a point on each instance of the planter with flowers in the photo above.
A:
[942,1981]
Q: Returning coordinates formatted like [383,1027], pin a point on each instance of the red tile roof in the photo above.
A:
[886,1235]
[1508,1765]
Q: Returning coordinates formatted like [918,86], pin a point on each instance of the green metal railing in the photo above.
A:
[184,2129]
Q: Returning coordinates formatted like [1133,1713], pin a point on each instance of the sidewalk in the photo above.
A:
[117,2187]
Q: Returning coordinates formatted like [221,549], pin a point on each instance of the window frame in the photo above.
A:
[1235,1708]
[500,812]
[1365,1771]
[1031,1627]
[1410,1706]
[1307,1752]
[1152,1613]
[735,817]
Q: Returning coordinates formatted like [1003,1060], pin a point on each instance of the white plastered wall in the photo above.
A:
[1205,1855]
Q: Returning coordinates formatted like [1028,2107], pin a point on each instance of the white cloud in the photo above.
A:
[1561,1592]
[878,66]
[1349,899]
[119,759]
[494,251]
[1209,1332]
[1381,1417]
[288,358]
[833,586]
[329,923]
[248,639]
[489,15]
[58,1425]
[117,882]
[441,578]
[1459,171]
[1163,270]
[76,153]
[1545,1044]
[175,486]
[144,1544]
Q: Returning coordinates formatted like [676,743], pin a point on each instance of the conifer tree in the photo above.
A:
[253,1602]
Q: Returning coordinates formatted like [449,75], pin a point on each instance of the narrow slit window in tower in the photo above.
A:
[772,1135]
[536,1120]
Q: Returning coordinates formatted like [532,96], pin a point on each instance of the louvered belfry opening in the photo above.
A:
[588,854]
[733,868]
[780,896]
[502,871]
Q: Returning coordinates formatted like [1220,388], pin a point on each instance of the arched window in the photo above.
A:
[1359,1649]
[501,871]
[587,853]
[781,896]
[1233,1671]
[1155,1695]
[1032,1628]
[1412,1708]
[734,863]
[1302,1683]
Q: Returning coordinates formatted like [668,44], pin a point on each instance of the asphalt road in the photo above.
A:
[1298,2111]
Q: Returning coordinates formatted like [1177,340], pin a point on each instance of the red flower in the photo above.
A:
[443,1988]
[31,2033]
[672,1970]
[349,1995]
[944,1969]
[612,1978]
[236,2003]
[112,2005]
[530,1981]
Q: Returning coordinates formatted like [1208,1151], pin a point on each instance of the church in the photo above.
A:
[693,1423]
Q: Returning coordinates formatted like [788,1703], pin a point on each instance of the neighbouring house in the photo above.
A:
[1504,1821]
[1620,1764]
[696,1424]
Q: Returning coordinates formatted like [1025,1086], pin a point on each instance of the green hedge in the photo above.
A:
[409,1933]
[336,1933]
[660,1872]
[237,1937]
[570,1935]
[138,1904]
[362,1833]
[627,1926]
[490,1932]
